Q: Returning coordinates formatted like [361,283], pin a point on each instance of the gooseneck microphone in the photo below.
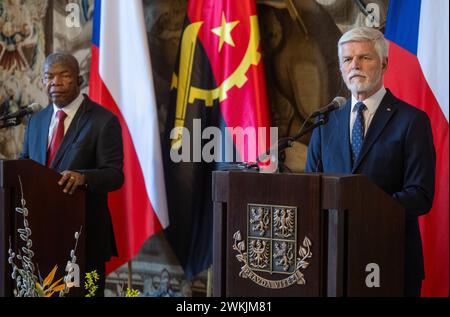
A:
[337,103]
[286,142]
[322,113]
[283,143]
[34,107]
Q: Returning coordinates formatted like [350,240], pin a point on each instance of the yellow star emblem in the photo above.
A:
[224,32]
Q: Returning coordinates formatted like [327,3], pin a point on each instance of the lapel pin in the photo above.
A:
[388,109]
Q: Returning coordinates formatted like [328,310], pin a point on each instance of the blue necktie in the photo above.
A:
[358,131]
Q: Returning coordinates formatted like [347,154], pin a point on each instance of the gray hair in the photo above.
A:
[62,58]
[361,34]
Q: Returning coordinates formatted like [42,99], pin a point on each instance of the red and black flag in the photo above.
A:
[218,82]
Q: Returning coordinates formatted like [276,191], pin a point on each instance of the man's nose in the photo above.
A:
[56,81]
[355,64]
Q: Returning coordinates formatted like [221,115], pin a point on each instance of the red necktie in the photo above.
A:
[57,137]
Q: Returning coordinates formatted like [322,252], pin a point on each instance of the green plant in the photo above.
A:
[90,284]
[132,293]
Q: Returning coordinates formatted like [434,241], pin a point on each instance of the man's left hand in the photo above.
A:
[71,180]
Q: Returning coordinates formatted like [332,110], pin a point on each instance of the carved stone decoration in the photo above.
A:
[347,14]
[300,58]
[150,270]
[275,251]
[74,39]
[164,21]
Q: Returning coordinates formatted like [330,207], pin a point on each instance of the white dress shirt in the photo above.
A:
[70,110]
[372,104]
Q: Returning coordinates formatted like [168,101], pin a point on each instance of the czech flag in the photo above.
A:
[121,80]
[418,73]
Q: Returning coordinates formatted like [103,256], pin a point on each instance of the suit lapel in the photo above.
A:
[43,134]
[379,121]
[344,136]
[74,129]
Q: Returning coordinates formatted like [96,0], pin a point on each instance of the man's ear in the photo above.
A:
[385,64]
[80,80]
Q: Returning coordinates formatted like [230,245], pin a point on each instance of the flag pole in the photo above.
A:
[209,285]
[130,273]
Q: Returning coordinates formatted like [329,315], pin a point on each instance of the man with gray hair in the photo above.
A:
[83,141]
[382,137]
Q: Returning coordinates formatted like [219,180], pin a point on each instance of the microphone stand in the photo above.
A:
[281,146]
[290,140]
[9,123]
[285,143]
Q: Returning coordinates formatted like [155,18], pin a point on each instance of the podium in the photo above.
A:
[312,235]
[53,218]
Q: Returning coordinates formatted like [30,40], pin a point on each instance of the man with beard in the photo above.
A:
[83,141]
[382,137]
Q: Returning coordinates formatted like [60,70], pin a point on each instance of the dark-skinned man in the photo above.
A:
[83,141]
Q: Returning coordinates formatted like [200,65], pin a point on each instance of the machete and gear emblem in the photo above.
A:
[187,94]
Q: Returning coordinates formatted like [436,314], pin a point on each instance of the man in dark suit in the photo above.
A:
[382,137]
[83,141]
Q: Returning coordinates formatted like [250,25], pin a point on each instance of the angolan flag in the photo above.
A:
[418,73]
[218,82]
[121,80]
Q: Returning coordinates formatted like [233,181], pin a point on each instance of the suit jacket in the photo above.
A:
[92,146]
[397,154]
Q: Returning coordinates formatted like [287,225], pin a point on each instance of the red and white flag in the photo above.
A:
[121,80]
[418,73]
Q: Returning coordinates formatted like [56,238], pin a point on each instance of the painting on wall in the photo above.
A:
[22,53]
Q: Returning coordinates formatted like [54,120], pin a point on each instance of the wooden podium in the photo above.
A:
[53,218]
[305,235]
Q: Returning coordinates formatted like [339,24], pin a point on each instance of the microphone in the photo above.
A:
[34,107]
[286,142]
[337,103]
